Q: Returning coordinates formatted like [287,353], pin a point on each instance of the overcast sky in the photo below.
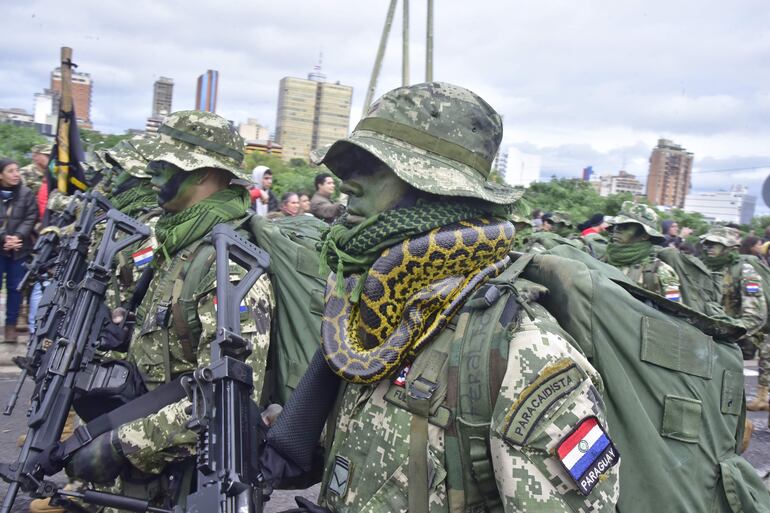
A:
[578,83]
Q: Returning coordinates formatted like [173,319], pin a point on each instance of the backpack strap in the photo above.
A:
[650,276]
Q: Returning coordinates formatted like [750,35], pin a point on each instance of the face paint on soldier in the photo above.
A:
[626,233]
[372,190]
[714,249]
[174,185]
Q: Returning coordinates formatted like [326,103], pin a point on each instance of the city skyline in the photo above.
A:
[594,86]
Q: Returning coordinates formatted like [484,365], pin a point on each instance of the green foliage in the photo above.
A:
[295,176]
[693,220]
[16,141]
[93,140]
[578,198]
[758,224]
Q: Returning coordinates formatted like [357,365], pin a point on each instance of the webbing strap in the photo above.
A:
[142,406]
[427,142]
[421,387]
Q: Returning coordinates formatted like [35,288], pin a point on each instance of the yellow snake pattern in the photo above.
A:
[409,295]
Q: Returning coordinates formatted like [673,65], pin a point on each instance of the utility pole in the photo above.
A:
[429,45]
[405,49]
[380,55]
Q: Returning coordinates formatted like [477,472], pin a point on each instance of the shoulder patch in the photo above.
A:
[587,453]
[338,483]
[752,286]
[672,293]
[553,383]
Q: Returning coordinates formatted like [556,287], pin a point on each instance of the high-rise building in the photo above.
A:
[206,92]
[46,107]
[668,181]
[82,87]
[521,169]
[734,206]
[162,96]
[311,114]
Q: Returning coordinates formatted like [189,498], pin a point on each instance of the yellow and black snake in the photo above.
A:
[409,294]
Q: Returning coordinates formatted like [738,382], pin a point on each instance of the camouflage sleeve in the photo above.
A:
[670,285]
[550,447]
[152,442]
[753,304]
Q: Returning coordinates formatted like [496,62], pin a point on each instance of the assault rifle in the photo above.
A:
[46,245]
[222,412]
[59,296]
[71,349]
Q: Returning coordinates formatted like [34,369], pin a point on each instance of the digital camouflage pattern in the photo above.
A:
[559,217]
[724,235]
[372,436]
[192,139]
[127,158]
[32,177]
[656,276]
[43,148]
[743,296]
[642,215]
[437,137]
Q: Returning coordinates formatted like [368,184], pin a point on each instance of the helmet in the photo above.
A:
[191,139]
[724,235]
[642,215]
[439,138]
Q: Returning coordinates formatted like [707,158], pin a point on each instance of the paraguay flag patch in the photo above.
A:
[243,307]
[752,287]
[672,294]
[587,453]
[400,380]
[142,257]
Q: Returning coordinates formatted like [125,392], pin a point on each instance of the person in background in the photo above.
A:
[289,206]
[262,178]
[18,215]
[321,205]
[751,245]
[537,219]
[592,234]
[671,238]
[304,204]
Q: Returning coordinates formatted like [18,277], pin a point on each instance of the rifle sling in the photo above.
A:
[142,406]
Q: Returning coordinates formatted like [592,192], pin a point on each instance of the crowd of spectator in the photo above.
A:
[294,203]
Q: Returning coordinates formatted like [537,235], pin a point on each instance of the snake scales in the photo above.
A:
[409,295]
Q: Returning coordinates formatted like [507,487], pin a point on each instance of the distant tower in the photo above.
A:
[668,181]
[206,92]
[316,75]
[162,94]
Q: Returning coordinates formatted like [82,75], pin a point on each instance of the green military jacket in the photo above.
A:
[743,295]
[540,242]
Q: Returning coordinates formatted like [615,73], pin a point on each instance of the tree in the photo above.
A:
[295,176]
[16,142]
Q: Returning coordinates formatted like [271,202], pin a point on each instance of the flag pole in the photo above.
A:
[65,119]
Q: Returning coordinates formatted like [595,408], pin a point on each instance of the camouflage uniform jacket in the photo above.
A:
[368,465]
[655,276]
[157,350]
[743,296]
[32,177]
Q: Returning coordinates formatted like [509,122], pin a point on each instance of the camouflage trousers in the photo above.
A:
[764,360]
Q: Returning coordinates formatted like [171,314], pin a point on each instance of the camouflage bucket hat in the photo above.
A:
[126,157]
[559,217]
[437,137]
[44,148]
[640,214]
[191,139]
[724,235]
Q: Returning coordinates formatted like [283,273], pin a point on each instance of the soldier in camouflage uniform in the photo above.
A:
[557,228]
[742,297]
[195,165]
[418,162]
[523,226]
[634,232]
[33,174]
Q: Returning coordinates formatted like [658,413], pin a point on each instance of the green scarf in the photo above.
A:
[135,200]
[176,231]
[720,262]
[629,254]
[352,249]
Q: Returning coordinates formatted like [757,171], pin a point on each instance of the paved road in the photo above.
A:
[10,428]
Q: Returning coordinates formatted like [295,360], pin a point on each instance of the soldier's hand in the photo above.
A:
[114,335]
[98,462]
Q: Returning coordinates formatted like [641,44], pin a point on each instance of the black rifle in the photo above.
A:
[223,413]
[59,296]
[68,356]
[47,244]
